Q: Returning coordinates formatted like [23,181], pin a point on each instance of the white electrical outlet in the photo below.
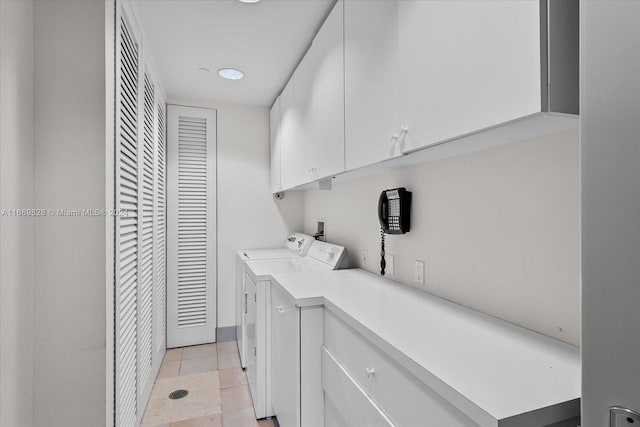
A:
[388,258]
[419,273]
[364,260]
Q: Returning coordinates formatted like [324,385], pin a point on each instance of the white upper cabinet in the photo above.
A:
[466,66]
[319,84]
[385,78]
[372,78]
[312,109]
[276,148]
[296,154]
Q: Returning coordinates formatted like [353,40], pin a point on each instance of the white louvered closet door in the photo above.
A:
[127,233]
[191,226]
[160,312]
[145,237]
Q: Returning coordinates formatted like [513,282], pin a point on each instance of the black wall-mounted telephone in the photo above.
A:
[394,214]
[394,208]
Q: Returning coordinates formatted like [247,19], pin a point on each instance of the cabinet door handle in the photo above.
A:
[246,296]
[396,136]
[279,309]
[370,372]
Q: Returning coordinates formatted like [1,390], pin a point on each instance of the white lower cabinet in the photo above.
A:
[285,365]
[241,310]
[326,374]
[360,351]
[332,417]
[362,381]
[346,403]
[296,341]
[251,331]
[258,346]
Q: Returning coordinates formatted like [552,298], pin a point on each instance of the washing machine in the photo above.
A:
[296,246]
[322,256]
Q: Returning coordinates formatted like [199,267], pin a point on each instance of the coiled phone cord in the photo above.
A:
[383,263]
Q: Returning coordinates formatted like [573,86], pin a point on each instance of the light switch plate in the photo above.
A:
[623,417]
[419,273]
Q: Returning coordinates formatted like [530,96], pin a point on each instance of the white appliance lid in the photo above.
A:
[255,254]
[327,253]
[263,269]
[299,243]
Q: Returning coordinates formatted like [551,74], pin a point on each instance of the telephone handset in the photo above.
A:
[394,214]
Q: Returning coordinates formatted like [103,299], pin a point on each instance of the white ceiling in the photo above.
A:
[265,40]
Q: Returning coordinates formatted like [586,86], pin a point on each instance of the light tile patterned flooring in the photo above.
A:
[218,392]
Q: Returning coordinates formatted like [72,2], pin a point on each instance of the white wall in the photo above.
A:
[16,191]
[248,215]
[498,229]
[70,355]
[610,132]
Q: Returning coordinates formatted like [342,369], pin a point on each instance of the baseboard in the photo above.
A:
[227,333]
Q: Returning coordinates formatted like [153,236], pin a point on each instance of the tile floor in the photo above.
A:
[218,392]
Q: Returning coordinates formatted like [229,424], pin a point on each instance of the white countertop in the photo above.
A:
[490,369]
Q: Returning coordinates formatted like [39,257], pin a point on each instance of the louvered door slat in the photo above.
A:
[127,228]
[191,230]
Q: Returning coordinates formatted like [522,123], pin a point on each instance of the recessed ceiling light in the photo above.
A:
[230,73]
[248,1]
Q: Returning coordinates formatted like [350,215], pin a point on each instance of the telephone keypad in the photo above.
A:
[394,223]
[394,214]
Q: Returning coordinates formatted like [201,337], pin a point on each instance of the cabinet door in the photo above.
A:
[296,152]
[319,98]
[312,109]
[276,148]
[241,319]
[372,77]
[466,65]
[251,336]
[285,360]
